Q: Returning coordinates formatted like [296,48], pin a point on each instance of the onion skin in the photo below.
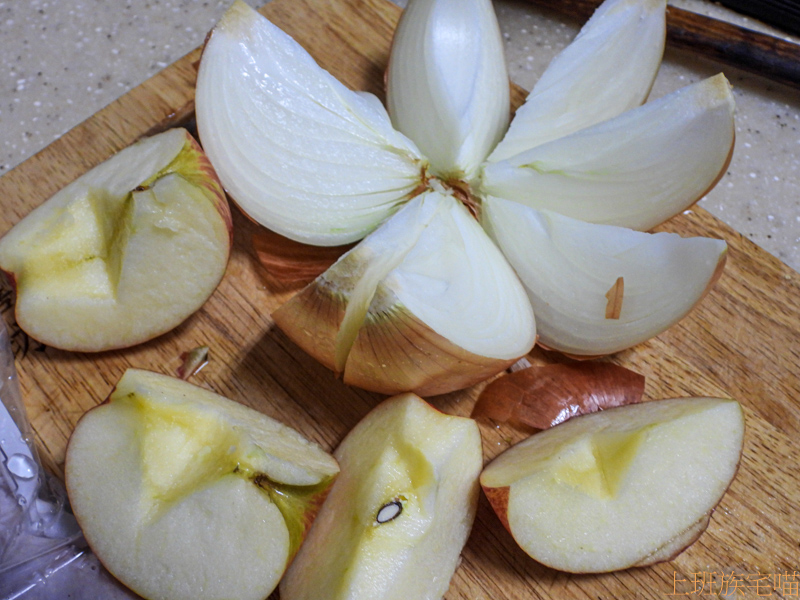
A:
[393,353]
[311,319]
[396,352]
[293,263]
[542,397]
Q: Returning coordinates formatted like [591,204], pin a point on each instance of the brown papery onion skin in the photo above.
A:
[292,263]
[541,397]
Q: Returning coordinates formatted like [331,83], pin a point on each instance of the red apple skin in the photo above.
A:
[498,499]
[207,178]
[11,279]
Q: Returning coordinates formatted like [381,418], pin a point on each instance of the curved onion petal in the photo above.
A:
[568,268]
[635,170]
[447,86]
[426,303]
[296,150]
[608,69]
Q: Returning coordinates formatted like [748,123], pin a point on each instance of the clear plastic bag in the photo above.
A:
[43,555]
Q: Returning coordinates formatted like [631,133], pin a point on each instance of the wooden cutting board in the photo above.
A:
[742,342]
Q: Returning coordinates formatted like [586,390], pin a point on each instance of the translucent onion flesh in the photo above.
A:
[296,150]
[635,170]
[447,84]
[568,267]
[607,69]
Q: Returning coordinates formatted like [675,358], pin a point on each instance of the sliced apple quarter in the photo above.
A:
[625,487]
[598,289]
[184,494]
[400,512]
[425,303]
[124,253]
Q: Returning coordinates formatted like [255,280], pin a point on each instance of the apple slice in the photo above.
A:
[124,253]
[598,289]
[182,493]
[625,487]
[635,170]
[426,304]
[400,512]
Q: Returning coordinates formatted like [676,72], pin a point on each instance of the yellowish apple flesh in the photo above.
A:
[399,513]
[182,493]
[624,487]
[124,253]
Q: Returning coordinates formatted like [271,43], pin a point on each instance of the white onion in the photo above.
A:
[296,150]
[635,170]
[447,85]
[608,69]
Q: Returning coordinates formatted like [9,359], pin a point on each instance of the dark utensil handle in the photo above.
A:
[783,14]
[729,44]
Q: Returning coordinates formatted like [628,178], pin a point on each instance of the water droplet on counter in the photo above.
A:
[21,466]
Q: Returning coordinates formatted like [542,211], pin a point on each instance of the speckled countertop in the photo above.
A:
[62,60]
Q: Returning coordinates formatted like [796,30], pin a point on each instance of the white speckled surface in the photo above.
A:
[62,60]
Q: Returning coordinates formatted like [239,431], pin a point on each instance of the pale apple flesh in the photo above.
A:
[624,487]
[426,304]
[126,252]
[182,493]
[396,519]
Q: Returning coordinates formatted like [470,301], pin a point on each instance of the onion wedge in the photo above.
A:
[568,267]
[296,150]
[447,84]
[426,303]
[635,170]
[608,69]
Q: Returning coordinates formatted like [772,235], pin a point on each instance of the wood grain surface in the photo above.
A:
[742,342]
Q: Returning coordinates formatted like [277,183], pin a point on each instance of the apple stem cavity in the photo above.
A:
[298,505]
